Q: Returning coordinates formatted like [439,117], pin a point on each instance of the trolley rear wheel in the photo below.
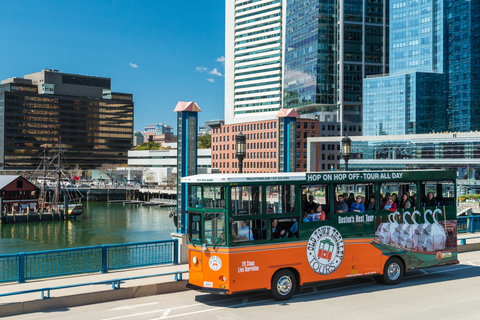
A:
[284,285]
[393,271]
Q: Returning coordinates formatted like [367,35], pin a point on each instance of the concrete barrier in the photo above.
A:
[468,247]
[91,298]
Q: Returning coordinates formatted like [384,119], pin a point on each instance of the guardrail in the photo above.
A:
[167,201]
[54,263]
[469,224]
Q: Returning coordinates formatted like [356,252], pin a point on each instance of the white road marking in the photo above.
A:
[256,302]
[165,314]
[424,272]
[454,269]
[153,311]
[133,307]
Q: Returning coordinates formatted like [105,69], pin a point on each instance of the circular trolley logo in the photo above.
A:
[215,263]
[325,250]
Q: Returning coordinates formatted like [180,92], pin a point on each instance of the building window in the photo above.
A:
[305,125]
[298,125]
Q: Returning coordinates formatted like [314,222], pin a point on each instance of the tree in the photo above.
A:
[136,175]
[205,142]
[108,169]
[150,145]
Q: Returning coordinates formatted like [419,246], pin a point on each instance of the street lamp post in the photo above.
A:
[346,150]
[240,149]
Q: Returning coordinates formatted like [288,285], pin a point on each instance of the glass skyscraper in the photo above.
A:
[94,123]
[434,64]
[330,46]
[463,64]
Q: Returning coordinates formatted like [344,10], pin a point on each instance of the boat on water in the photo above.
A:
[54,182]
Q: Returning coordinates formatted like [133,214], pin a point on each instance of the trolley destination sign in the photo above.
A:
[319,177]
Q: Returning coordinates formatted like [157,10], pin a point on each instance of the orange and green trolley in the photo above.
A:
[285,230]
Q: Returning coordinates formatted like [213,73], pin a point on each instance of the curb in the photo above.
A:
[91,298]
[468,247]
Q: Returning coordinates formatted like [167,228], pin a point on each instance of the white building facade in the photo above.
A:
[253,64]
[157,166]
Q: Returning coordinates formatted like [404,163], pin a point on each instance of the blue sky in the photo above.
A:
[160,51]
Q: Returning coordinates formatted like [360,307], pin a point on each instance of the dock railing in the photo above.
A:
[55,263]
[469,224]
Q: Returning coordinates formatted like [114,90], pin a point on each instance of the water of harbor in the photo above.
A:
[101,223]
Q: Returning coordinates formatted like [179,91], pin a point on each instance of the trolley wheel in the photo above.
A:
[393,271]
[284,285]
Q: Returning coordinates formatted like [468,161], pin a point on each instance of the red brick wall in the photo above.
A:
[262,145]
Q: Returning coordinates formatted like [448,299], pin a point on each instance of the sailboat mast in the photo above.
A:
[44,185]
[59,178]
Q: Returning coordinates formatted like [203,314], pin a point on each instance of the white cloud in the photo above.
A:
[133,65]
[216,73]
[210,80]
[201,69]
[221,60]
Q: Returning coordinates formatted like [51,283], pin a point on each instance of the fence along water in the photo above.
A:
[54,263]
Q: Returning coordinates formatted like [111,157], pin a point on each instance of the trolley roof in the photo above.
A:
[325,176]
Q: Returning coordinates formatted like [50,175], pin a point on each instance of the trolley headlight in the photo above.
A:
[195,260]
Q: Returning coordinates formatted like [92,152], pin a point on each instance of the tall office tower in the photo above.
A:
[330,46]
[412,98]
[463,64]
[253,60]
[95,124]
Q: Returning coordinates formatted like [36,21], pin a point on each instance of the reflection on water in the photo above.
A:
[101,223]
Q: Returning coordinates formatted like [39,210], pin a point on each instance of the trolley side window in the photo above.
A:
[437,193]
[195,196]
[246,200]
[248,230]
[356,195]
[215,228]
[315,204]
[195,227]
[214,197]
[280,199]
[282,228]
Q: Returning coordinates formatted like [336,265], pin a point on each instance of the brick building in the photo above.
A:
[262,145]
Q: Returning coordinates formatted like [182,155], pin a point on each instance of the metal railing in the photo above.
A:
[469,224]
[45,264]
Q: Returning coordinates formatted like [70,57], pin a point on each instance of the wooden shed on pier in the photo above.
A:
[18,193]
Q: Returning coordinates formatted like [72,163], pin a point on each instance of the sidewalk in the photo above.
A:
[76,296]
